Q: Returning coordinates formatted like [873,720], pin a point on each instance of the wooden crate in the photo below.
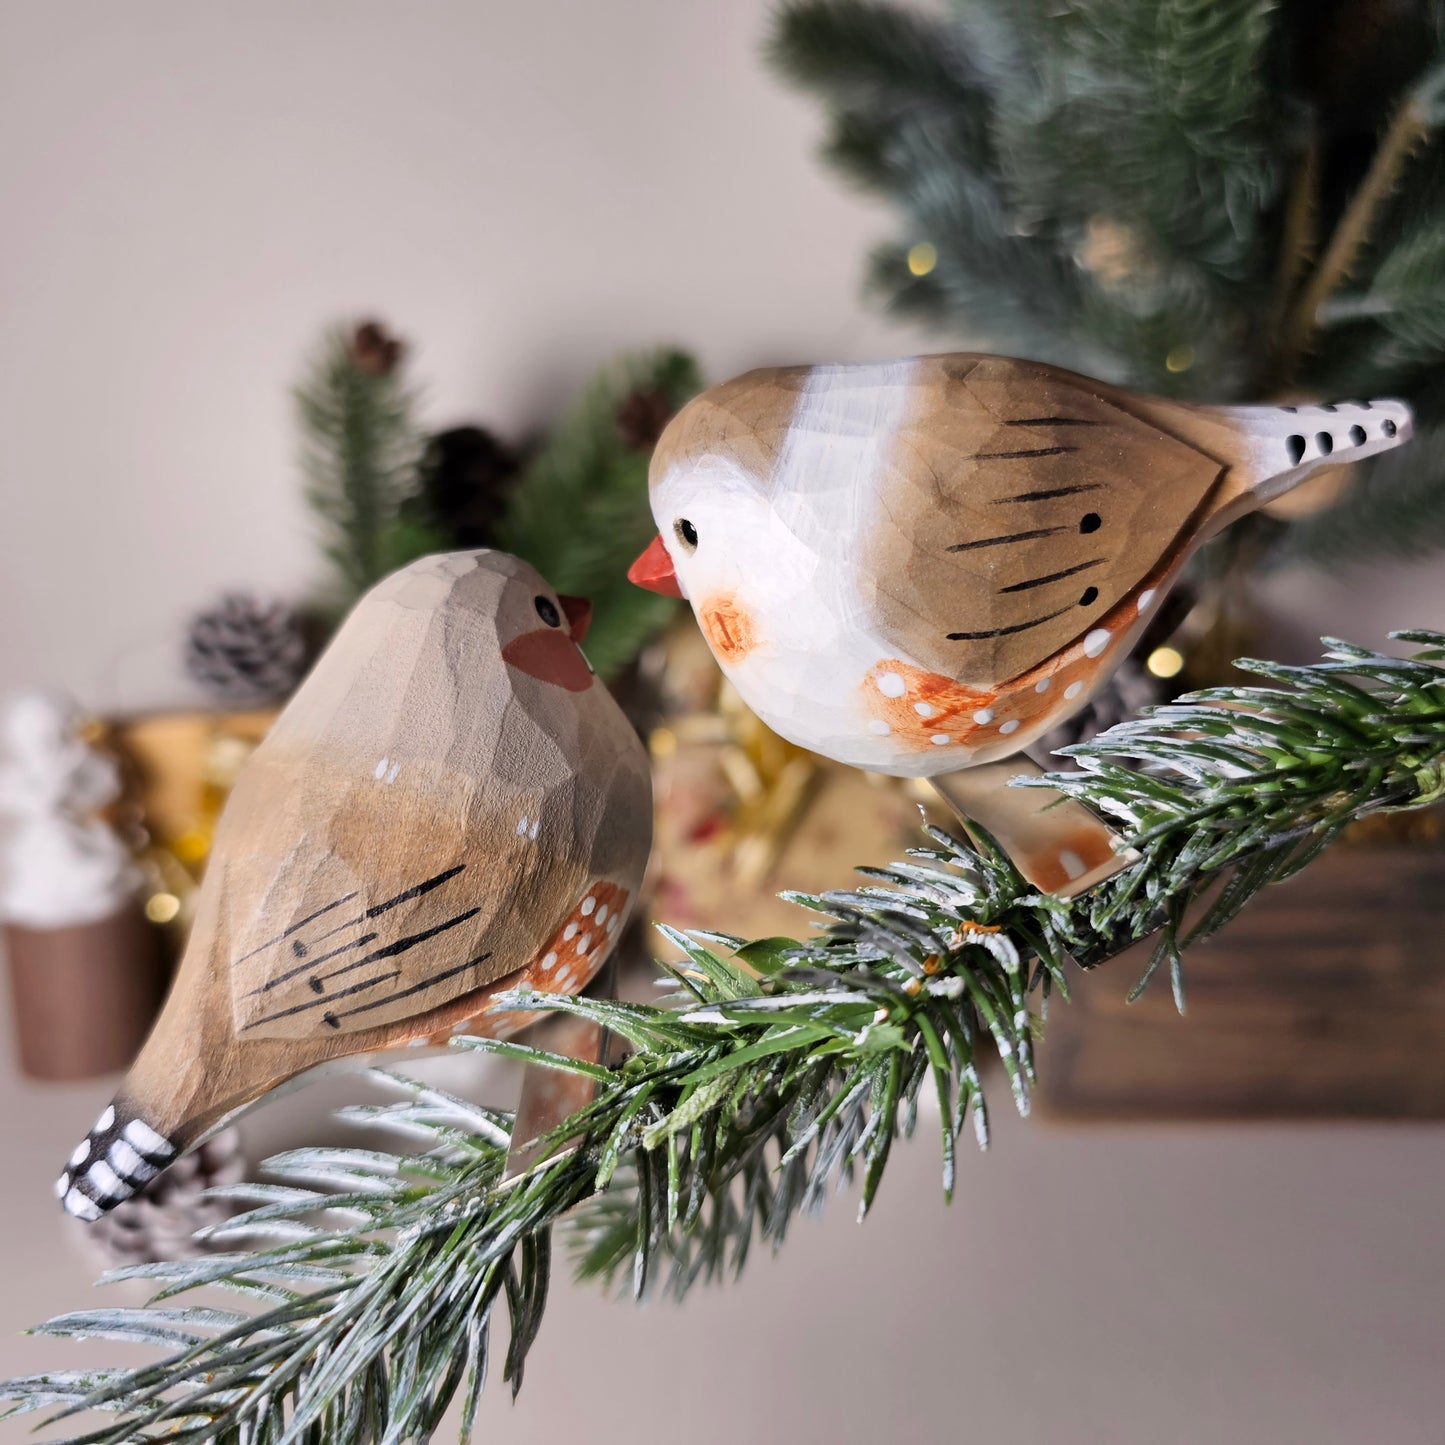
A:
[1325,998]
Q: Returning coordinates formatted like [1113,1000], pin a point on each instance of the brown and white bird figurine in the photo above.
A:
[922,566]
[451,805]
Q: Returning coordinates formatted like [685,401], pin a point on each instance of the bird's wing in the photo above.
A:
[331,944]
[346,903]
[1020,503]
[360,960]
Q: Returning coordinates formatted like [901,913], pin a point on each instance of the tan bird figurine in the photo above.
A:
[921,566]
[451,805]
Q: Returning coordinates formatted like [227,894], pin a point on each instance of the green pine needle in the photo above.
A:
[360,448]
[778,1070]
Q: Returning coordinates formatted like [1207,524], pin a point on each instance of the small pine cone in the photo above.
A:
[375,350]
[642,416]
[466,475]
[246,651]
[161,1221]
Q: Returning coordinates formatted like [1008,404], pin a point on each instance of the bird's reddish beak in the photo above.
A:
[654,571]
[578,612]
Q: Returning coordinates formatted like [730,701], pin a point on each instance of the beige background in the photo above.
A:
[189,192]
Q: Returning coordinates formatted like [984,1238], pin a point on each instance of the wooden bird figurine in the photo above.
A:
[921,566]
[451,805]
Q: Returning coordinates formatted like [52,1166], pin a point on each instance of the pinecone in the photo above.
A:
[246,651]
[641,417]
[160,1221]
[465,477]
[375,350]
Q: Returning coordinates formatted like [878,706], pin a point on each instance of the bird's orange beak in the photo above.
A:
[578,612]
[654,571]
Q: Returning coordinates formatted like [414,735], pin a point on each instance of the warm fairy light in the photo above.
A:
[922,258]
[1181,358]
[1165,662]
[192,846]
[162,907]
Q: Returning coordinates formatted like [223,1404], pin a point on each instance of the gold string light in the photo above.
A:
[922,258]
[1165,662]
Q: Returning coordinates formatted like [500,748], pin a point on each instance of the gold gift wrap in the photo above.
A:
[741,812]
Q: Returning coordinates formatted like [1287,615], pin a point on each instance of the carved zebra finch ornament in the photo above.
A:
[922,566]
[452,805]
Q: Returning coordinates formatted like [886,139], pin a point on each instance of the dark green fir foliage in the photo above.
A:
[580,513]
[1222,200]
[777,1071]
[360,450]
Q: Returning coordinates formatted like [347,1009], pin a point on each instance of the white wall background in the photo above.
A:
[188,192]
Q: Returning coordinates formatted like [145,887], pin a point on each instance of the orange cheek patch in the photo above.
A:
[551,656]
[728,628]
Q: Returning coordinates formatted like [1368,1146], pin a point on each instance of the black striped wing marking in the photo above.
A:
[1022,504]
[372,966]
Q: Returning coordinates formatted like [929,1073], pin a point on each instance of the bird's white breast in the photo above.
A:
[807,678]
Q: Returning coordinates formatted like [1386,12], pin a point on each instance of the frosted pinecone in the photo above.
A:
[160,1222]
[246,651]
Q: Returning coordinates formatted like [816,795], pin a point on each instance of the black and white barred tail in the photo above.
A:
[1287,444]
[119,1157]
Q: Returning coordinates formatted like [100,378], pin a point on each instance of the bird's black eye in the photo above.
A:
[688,533]
[547,611]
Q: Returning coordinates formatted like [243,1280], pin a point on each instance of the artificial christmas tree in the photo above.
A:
[1216,200]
